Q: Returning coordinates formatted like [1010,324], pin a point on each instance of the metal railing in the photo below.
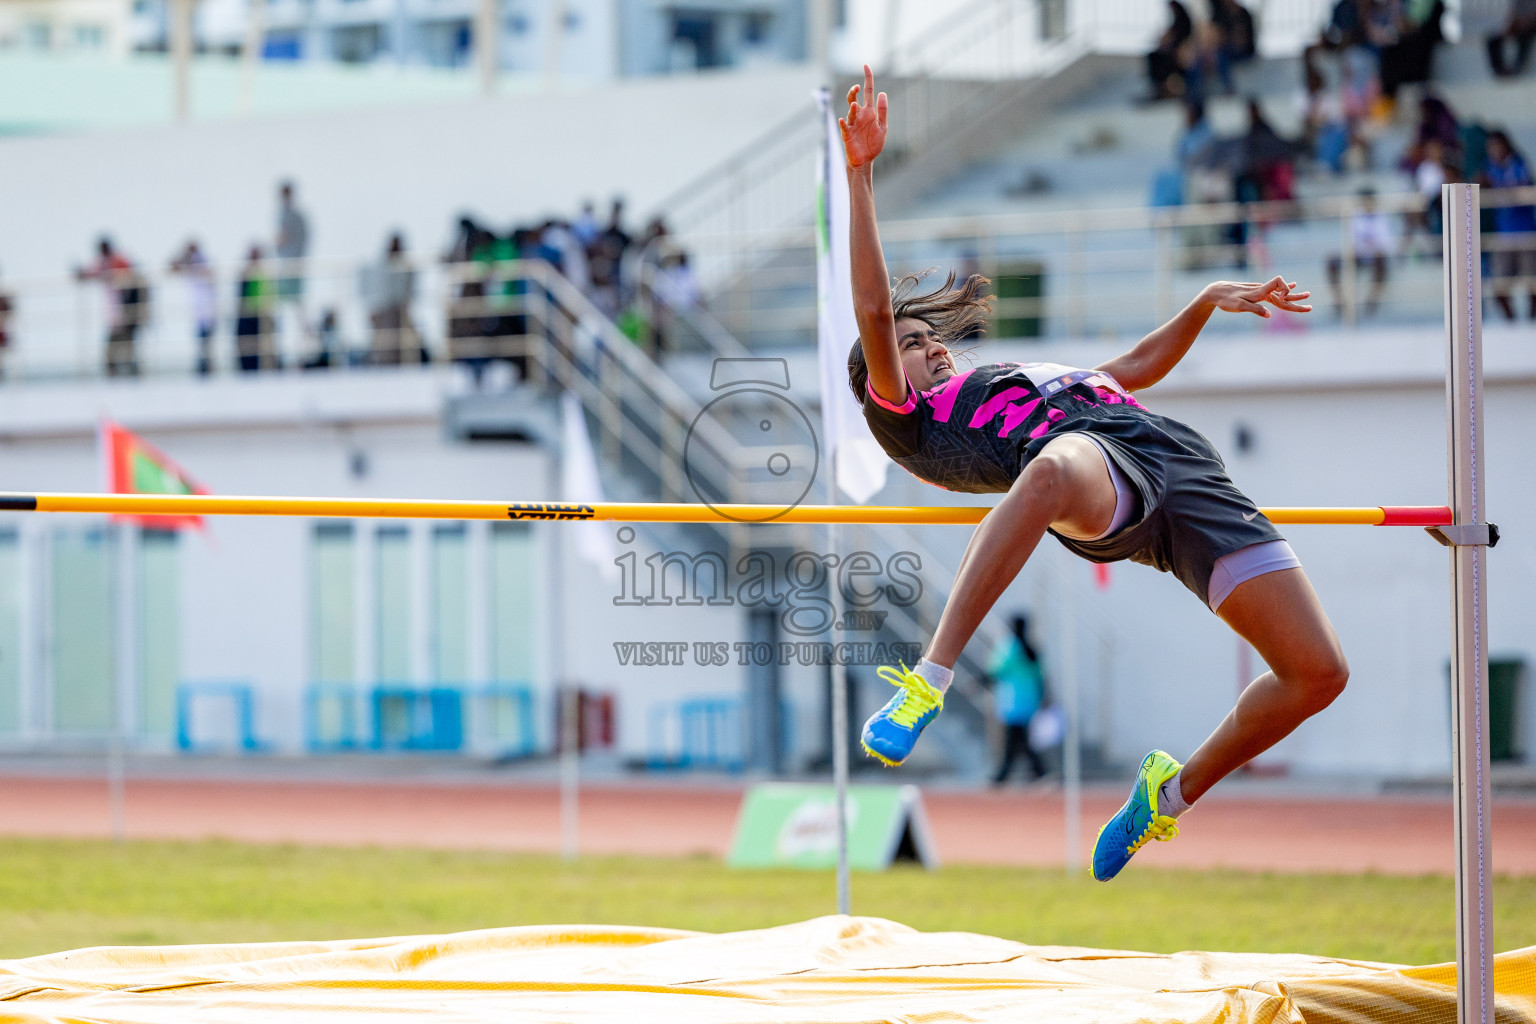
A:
[1118,272]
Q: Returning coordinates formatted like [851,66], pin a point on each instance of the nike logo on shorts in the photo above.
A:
[1248,517]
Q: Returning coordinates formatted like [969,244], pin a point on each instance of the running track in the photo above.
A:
[1398,835]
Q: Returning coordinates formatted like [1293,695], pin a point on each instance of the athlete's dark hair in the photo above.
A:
[955,314]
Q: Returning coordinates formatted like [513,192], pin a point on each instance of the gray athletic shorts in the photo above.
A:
[1191,512]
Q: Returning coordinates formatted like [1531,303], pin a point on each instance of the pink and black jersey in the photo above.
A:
[977,430]
[970,433]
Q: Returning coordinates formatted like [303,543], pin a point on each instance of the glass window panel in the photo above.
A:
[333,649]
[10,634]
[450,604]
[159,632]
[393,605]
[83,631]
[514,575]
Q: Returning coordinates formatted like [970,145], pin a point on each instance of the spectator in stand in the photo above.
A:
[585,225]
[194,266]
[1269,161]
[469,320]
[1512,269]
[1326,130]
[605,259]
[1408,49]
[291,247]
[570,253]
[1165,64]
[254,297]
[1195,145]
[7,307]
[127,305]
[1437,122]
[1237,41]
[1519,29]
[1373,240]
[329,350]
[1345,28]
[391,289]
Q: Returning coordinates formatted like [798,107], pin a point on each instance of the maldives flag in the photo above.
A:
[134,466]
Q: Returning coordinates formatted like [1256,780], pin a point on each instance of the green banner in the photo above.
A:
[794,825]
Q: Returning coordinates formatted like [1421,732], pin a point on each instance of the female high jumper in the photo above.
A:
[1077,455]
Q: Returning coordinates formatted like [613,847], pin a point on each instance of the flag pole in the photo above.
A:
[839,712]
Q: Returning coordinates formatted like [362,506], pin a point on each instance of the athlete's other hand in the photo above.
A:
[864,127]
[1250,296]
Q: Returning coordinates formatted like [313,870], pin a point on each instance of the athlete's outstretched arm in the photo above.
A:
[1160,351]
[863,139]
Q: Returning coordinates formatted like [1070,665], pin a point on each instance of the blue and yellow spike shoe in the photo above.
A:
[1138,821]
[891,732]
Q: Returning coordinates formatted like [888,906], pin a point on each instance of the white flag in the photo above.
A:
[579,482]
[846,443]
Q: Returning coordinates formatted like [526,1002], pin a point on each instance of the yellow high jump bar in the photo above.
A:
[620,512]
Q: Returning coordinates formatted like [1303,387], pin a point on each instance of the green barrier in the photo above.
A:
[795,826]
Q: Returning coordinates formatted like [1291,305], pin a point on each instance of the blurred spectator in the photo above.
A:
[390,288]
[1407,47]
[605,260]
[1165,64]
[570,253]
[329,350]
[469,320]
[200,290]
[7,307]
[1512,269]
[1326,130]
[1223,41]
[585,224]
[1195,145]
[254,297]
[1345,27]
[1437,123]
[1019,692]
[1373,240]
[127,305]
[1238,36]
[291,246]
[1268,170]
[675,283]
[1519,29]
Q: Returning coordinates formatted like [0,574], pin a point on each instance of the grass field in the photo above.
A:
[57,895]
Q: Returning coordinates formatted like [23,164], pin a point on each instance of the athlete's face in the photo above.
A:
[924,357]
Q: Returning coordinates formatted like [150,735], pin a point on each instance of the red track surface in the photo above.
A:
[1389,835]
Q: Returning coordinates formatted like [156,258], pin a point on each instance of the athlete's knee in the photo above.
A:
[1048,478]
[1323,676]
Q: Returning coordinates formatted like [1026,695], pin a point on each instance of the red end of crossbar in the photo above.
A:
[1416,515]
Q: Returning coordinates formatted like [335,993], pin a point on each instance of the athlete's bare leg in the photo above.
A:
[1280,615]
[1066,486]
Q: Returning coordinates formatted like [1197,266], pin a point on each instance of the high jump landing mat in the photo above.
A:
[831,969]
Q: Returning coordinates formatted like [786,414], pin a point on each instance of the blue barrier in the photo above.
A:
[410,718]
[519,696]
[241,693]
[330,717]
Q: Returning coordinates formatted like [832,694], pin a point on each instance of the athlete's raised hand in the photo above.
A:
[1250,296]
[864,127]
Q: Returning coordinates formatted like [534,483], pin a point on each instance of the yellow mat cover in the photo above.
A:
[834,969]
